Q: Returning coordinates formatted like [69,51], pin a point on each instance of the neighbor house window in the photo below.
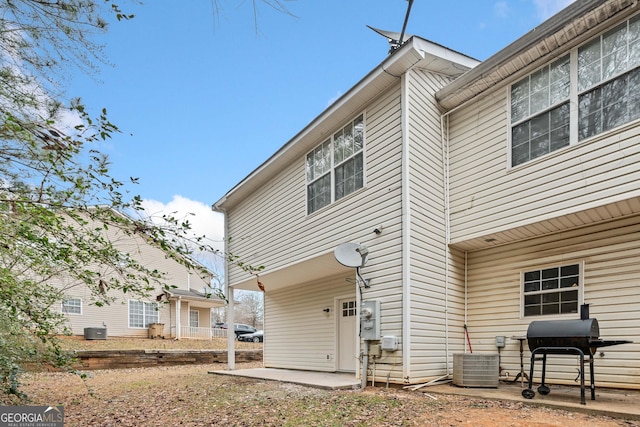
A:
[552,290]
[335,168]
[142,313]
[606,94]
[194,318]
[72,306]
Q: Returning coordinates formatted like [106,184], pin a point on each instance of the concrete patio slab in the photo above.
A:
[323,380]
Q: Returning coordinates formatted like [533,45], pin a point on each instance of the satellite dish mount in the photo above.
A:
[396,39]
[353,255]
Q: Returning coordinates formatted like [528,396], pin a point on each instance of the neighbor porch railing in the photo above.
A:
[191,332]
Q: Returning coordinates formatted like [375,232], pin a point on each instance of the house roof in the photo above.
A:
[198,299]
[415,53]
[565,30]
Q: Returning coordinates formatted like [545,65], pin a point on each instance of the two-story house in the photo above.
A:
[183,310]
[488,195]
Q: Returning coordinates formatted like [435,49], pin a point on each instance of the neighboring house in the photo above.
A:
[489,195]
[184,311]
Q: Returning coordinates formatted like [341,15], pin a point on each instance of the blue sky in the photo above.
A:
[204,96]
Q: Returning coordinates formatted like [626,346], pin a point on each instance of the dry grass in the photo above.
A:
[189,395]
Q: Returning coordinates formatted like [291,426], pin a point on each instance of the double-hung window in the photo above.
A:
[142,313]
[72,306]
[194,318]
[554,290]
[540,112]
[335,168]
[609,79]
[600,79]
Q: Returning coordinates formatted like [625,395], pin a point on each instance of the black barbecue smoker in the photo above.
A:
[579,337]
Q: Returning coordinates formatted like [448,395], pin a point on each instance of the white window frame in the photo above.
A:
[197,318]
[71,303]
[560,290]
[313,176]
[577,93]
[150,314]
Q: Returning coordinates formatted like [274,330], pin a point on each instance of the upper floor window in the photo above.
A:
[335,168]
[72,306]
[606,94]
[142,313]
[551,290]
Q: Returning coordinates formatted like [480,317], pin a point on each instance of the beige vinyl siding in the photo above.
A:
[430,291]
[116,314]
[487,196]
[609,252]
[271,226]
[300,335]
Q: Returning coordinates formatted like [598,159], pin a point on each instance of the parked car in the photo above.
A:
[220,325]
[240,329]
[257,336]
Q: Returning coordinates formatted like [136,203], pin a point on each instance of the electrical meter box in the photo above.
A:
[370,320]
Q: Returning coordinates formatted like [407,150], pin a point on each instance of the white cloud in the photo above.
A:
[547,8]
[204,222]
[501,9]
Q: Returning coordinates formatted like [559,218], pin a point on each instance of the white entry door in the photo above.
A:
[347,335]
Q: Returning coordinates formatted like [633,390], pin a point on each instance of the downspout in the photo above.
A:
[444,135]
[228,291]
[178,326]
[406,235]
[465,296]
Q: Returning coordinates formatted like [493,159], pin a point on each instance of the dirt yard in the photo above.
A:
[191,396]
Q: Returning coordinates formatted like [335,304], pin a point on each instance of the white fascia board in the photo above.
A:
[413,52]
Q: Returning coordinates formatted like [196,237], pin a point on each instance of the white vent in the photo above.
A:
[475,370]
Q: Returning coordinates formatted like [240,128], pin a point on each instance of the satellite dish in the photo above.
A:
[352,255]
[396,39]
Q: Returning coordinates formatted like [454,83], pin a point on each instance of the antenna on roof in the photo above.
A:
[396,39]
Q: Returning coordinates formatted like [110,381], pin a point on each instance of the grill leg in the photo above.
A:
[592,376]
[528,393]
[544,367]
[582,399]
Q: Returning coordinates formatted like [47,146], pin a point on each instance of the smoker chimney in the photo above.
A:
[584,311]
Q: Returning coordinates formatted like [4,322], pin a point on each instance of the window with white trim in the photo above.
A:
[72,306]
[606,94]
[335,168]
[554,290]
[142,313]
[194,318]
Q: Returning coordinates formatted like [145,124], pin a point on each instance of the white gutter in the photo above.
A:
[406,234]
